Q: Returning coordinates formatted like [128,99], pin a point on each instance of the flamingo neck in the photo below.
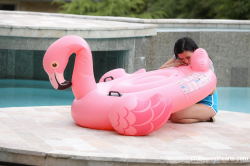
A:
[83,80]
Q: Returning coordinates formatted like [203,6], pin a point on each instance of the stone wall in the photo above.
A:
[21,57]
[229,51]
[27,64]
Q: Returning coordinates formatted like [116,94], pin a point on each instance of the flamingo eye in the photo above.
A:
[54,64]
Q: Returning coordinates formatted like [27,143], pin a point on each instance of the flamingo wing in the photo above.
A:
[132,116]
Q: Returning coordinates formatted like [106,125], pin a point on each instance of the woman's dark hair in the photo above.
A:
[184,44]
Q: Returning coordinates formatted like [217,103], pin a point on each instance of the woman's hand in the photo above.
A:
[178,63]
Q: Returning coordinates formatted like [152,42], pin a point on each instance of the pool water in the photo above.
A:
[235,99]
[24,93]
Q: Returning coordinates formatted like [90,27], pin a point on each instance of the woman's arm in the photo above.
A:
[173,63]
[169,63]
[213,91]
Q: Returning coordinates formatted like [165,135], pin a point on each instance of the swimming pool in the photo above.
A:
[235,99]
[24,93]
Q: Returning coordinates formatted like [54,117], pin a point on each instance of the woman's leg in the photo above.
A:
[195,113]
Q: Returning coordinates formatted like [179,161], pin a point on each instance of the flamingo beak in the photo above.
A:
[58,82]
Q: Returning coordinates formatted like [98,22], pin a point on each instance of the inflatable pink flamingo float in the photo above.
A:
[132,104]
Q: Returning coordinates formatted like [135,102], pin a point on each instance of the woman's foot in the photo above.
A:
[212,119]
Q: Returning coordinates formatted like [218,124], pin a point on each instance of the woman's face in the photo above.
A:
[185,57]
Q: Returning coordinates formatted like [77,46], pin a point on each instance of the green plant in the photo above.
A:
[202,9]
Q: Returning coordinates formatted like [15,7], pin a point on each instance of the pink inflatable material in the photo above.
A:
[132,104]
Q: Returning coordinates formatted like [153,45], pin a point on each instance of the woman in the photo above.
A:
[204,110]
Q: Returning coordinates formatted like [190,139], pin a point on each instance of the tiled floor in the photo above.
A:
[49,136]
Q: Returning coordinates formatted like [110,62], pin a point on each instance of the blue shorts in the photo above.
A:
[211,101]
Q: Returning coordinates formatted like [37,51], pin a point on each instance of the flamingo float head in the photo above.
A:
[56,58]
[54,63]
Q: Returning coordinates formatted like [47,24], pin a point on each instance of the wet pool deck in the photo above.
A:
[48,136]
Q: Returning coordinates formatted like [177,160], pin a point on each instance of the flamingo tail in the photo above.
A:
[140,71]
[132,116]
[113,74]
[117,73]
